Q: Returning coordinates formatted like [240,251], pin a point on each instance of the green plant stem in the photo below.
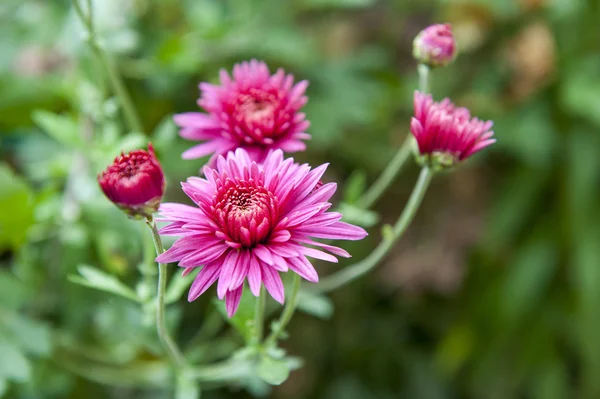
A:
[358,269]
[387,177]
[423,78]
[259,314]
[163,333]
[131,116]
[286,316]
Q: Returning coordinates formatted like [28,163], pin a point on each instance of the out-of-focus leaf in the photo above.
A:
[31,336]
[95,278]
[13,292]
[516,201]
[528,278]
[314,304]
[16,201]
[273,371]
[3,387]
[455,349]
[355,187]
[529,134]
[581,89]
[358,216]
[14,364]
[61,128]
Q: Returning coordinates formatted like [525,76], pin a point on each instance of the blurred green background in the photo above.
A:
[493,293]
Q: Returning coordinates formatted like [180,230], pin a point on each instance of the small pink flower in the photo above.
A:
[134,182]
[435,45]
[255,110]
[252,222]
[447,134]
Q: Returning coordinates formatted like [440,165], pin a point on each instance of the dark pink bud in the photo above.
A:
[435,46]
[134,182]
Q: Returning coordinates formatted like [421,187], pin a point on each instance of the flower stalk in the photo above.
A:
[168,342]
[361,268]
[259,313]
[129,111]
[388,176]
[286,316]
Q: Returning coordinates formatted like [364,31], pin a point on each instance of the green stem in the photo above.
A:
[423,78]
[358,269]
[163,333]
[387,177]
[131,116]
[288,312]
[259,314]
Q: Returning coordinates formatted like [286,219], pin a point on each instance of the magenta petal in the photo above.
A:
[226,275]
[315,253]
[273,283]
[254,276]
[241,269]
[207,276]
[302,266]
[232,300]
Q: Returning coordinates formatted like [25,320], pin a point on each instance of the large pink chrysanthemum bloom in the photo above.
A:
[252,222]
[447,134]
[255,110]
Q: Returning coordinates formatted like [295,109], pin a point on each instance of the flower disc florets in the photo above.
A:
[134,182]
[253,221]
[445,134]
[253,110]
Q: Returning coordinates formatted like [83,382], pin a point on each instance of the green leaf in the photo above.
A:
[3,387]
[14,364]
[273,371]
[13,292]
[355,187]
[95,278]
[359,216]
[27,334]
[61,128]
[18,197]
[314,304]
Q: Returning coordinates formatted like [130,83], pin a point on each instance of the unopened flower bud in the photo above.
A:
[435,46]
[134,182]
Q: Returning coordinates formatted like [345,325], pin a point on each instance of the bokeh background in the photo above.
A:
[494,292]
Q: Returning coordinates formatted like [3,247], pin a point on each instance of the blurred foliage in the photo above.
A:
[494,294]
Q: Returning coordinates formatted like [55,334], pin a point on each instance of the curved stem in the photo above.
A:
[259,313]
[358,269]
[288,312]
[163,333]
[423,78]
[131,116]
[387,177]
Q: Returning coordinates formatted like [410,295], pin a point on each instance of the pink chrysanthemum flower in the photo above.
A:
[134,182]
[435,45]
[255,110]
[252,222]
[447,134]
